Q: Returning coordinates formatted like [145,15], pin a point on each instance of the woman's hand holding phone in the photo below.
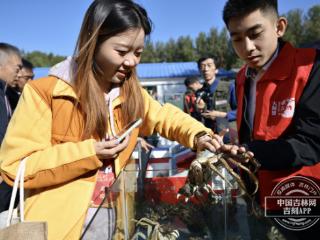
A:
[110,149]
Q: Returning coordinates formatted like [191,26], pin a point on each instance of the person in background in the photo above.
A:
[193,85]
[211,90]
[208,70]
[27,74]
[78,110]
[10,66]
[14,91]
[278,91]
[215,115]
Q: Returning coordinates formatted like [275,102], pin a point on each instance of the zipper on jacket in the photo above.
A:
[245,117]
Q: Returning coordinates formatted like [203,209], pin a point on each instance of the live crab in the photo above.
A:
[154,231]
[207,165]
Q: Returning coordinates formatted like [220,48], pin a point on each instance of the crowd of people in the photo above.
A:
[75,113]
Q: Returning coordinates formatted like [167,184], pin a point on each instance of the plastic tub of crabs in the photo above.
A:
[209,200]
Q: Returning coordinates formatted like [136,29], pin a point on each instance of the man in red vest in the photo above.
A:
[278,88]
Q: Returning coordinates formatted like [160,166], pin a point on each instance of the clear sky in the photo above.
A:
[53,25]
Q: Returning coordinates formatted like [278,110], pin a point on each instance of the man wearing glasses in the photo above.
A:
[216,112]
[14,91]
[10,70]
[26,74]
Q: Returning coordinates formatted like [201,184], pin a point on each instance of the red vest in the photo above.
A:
[277,94]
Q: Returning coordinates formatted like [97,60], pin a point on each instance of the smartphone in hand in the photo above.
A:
[128,129]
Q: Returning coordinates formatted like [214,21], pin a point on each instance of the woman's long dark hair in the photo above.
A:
[104,19]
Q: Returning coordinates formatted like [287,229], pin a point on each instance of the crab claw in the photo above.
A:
[206,188]
[178,195]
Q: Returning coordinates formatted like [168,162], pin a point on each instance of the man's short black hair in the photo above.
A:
[205,58]
[240,8]
[27,64]
[190,80]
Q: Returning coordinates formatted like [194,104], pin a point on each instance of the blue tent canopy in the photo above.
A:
[160,70]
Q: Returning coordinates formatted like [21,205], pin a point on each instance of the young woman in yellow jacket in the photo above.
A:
[65,123]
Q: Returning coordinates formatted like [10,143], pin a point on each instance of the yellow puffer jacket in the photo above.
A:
[61,168]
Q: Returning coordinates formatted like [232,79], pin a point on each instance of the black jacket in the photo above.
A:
[5,189]
[13,96]
[3,111]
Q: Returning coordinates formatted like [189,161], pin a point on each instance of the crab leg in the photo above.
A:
[216,170]
[246,158]
[232,172]
[255,164]
[251,175]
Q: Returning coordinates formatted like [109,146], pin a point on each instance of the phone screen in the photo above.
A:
[128,129]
